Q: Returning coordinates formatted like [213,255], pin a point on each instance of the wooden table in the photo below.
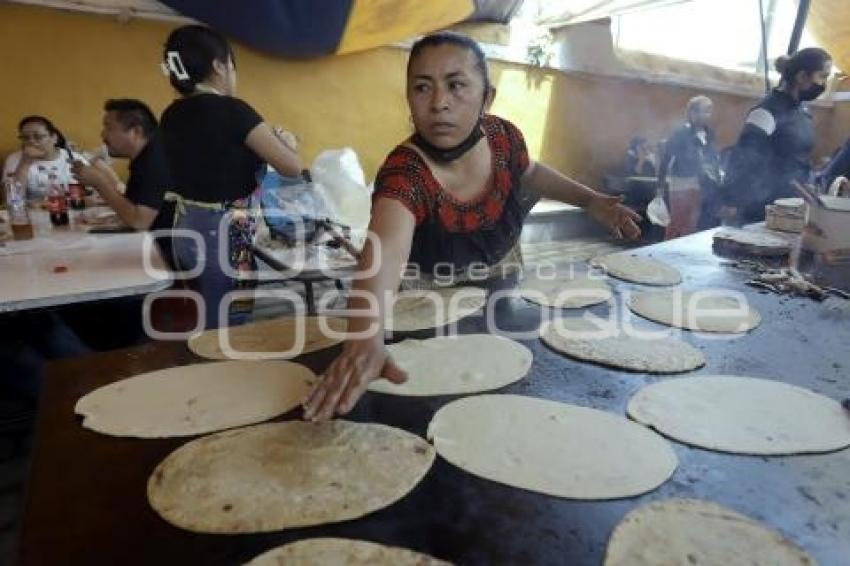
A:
[62,266]
[87,493]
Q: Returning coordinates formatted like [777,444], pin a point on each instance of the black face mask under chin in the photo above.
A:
[448,155]
[812,92]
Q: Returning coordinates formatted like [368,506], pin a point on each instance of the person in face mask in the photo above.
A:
[775,145]
[449,200]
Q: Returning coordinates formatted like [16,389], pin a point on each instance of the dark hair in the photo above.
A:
[198,46]
[811,60]
[452,38]
[35,119]
[133,113]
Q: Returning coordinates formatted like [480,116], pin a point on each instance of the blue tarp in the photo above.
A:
[292,28]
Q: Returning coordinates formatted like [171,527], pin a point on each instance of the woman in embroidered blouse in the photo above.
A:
[455,193]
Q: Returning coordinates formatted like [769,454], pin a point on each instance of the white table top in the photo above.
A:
[69,265]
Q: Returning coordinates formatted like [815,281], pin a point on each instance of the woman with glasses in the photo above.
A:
[43,153]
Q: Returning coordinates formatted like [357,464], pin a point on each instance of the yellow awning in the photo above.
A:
[829,24]
[379,22]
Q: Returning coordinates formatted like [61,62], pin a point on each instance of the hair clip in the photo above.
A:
[175,66]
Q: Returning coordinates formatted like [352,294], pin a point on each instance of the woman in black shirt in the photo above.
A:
[776,142]
[216,145]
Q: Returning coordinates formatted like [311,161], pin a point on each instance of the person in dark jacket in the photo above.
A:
[689,168]
[777,139]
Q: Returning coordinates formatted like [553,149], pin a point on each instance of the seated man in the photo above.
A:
[130,131]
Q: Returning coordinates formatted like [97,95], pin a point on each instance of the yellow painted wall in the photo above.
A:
[64,65]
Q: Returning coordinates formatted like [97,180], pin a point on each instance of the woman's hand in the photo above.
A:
[289,139]
[345,380]
[365,359]
[620,220]
[30,153]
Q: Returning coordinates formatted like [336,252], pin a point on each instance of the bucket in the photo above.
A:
[827,229]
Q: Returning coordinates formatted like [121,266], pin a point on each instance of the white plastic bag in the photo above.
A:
[339,172]
[657,212]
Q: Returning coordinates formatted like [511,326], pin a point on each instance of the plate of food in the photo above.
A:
[99,217]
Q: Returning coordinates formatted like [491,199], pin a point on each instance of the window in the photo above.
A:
[722,33]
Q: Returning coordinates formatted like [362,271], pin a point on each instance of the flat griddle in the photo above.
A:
[87,503]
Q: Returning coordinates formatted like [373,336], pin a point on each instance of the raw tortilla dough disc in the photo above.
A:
[195,399]
[565,292]
[612,347]
[703,311]
[549,447]
[689,531]
[419,310]
[638,269]
[342,552]
[282,475]
[742,415]
[273,338]
[453,365]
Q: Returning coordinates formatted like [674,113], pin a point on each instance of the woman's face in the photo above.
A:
[229,77]
[702,114]
[812,85]
[36,140]
[223,77]
[822,76]
[445,92]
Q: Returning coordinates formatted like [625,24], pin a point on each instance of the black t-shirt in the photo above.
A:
[150,178]
[204,137]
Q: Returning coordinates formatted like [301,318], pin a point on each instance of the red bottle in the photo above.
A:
[57,202]
[77,195]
